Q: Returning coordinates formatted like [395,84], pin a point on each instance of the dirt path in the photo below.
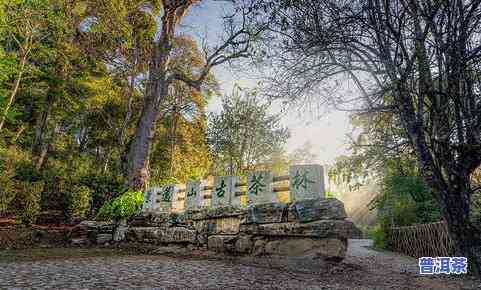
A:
[360,252]
[363,268]
[402,271]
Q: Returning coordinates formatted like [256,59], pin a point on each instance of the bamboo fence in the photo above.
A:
[423,240]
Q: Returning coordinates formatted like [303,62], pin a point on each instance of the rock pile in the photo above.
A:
[315,228]
[92,232]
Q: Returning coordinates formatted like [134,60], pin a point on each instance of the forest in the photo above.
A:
[75,89]
[101,99]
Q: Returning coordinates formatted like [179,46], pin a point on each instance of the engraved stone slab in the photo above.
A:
[178,205]
[224,187]
[148,200]
[259,188]
[193,194]
[164,197]
[306,182]
[152,204]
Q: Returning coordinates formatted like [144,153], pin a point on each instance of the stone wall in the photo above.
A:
[315,228]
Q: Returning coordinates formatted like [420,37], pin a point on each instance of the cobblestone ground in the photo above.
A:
[362,269]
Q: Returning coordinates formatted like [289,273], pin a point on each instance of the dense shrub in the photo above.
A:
[379,236]
[403,201]
[103,187]
[78,202]
[8,188]
[7,192]
[29,198]
[121,207]
[25,171]
[406,200]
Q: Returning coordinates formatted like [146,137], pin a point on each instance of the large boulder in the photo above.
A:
[244,244]
[315,228]
[158,235]
[266,213]
[316,209]
[88,232]
[318,229]
[211,213]
[120,231]
[177,235]
[143,234]
[153,220]
[103,238]
[99,226]
[227,225]
[222,243]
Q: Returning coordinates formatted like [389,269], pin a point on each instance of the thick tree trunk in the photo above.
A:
[139,170]
[41,144]
[157,90]
[466,237]
[453,191]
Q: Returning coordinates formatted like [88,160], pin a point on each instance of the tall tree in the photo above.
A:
[425,55]
[121,35]
[25,24]
[244,134]
[180,150]
[162,74]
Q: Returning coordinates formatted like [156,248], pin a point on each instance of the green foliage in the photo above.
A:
[406,200]
[379,236]
[29,198]
[7,171]
[123,206]
[165,181]
[25,171]
[181,149]
[7,192]
[403,201]
[381,154]
[103,187]
[244,134]
[9,187]
[83,66]
[74,113]
[331,194]
[78,202]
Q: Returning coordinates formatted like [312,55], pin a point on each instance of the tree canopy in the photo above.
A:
[244,134]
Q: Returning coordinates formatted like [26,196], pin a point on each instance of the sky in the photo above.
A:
[327,132]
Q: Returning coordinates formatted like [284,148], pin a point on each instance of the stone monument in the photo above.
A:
[306,182]
[259,188]
[193,195]
[164,198]
[222,191]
